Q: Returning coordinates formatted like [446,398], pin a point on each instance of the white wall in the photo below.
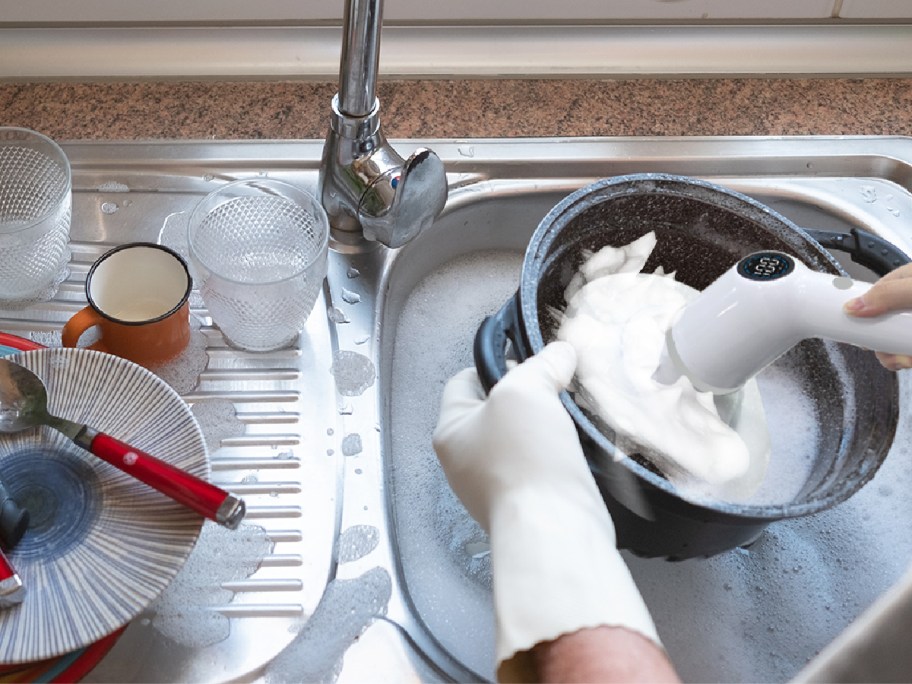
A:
[514,11]
[300,39]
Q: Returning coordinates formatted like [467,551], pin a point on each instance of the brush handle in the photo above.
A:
[206,499]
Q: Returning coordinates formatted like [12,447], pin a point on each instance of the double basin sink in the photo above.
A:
[371,569]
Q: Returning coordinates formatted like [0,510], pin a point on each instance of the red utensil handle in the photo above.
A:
[11,589]
[206,499]
[6,568]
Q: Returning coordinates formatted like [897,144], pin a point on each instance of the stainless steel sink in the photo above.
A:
[375,570]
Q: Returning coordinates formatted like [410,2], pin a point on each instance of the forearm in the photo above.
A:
[557,574]
[602,654]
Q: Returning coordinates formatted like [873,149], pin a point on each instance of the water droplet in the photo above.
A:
[330,432]
[352,272]
[113,186]
[208,177]
[868,193]
[353,372]
[362,339]
[345,408]
[336,315]
[108,207]
[356,542]
[350,297]
[330,452]
[466,151]
[477,549]
[893,210]
[358,471]
[351,445]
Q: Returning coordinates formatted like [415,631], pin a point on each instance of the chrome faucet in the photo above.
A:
[365,186]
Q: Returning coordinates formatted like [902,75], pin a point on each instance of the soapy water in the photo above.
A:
[356,542]
[347,608]
[181,373]
[447,576]
[755,614]
[218,420]
[187,611]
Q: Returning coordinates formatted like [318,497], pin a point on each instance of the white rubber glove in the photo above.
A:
[515,461]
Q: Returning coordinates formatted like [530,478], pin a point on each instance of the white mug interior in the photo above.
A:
[138,283]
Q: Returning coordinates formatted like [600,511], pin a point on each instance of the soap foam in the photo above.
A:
[187,611]
[447,572]
[616,319]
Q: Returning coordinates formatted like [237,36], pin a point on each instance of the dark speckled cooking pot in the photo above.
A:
[702,229]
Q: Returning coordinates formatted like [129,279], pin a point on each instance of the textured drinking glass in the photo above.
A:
[258,249]
[35,207]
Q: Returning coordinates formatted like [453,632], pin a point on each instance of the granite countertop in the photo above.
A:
[465,108]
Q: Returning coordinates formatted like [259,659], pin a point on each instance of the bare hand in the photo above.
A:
[893,292]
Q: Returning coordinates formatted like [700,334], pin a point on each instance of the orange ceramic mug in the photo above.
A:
[138,299]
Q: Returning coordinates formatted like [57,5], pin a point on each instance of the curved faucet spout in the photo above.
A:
[365,186]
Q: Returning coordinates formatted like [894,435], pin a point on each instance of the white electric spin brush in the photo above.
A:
[761,308]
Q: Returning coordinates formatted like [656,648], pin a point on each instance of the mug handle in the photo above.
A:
[81,321]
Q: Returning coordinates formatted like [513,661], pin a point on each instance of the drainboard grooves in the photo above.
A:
[260,511]
[254,463]
[267,418]
[282,560]
[261,487]
[247,397]
[277,536]
[249,375]
[263,585]
[258,610]
[261,440]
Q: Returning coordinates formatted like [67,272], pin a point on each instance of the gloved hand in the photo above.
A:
[515,461]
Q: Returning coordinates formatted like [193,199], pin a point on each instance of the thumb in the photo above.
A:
[884,296]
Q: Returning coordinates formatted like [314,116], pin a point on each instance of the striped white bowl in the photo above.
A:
[101,546]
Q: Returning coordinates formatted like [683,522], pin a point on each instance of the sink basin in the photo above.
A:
[754,614]
[357,562]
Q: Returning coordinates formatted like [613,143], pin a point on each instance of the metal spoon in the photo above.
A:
[23,404]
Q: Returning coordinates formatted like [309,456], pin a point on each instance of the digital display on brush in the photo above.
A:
[765,266]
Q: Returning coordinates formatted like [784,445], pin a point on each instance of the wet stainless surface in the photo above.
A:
[319,460]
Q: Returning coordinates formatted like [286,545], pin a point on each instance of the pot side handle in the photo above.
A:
[491,340]
[866,249]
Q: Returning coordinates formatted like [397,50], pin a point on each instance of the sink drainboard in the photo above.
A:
[357,562]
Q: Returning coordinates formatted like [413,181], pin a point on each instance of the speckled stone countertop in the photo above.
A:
[465,108]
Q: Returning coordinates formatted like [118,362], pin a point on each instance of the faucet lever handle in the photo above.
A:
[420,188]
